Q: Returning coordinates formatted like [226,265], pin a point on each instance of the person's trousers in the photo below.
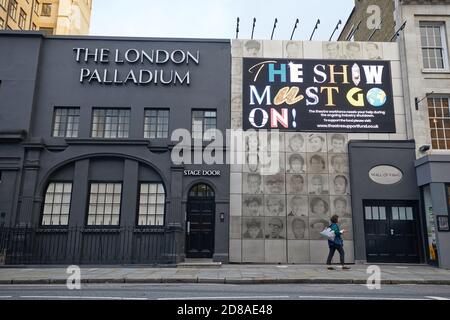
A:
[340,249]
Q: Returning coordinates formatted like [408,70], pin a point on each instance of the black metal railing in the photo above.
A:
[81,245]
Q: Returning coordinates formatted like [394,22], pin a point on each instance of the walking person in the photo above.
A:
[336,244]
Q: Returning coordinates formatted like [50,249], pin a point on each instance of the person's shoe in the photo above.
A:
[330,268]
[345,268]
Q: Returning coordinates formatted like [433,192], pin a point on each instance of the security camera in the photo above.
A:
[424,148]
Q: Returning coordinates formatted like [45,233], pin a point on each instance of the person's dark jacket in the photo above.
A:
[338,238]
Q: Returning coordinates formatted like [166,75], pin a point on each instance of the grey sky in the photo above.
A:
[217,18]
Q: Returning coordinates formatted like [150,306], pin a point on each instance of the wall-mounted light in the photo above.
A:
[222,217]
[424,148]
[417,101]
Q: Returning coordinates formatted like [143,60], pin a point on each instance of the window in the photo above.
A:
[46,31]
[3,3]
[46,10]
[22,19]
[13,9]
[151,204]
[439,117]
[156,123]
[104,204]
[110,123]
[2,23]
[402,213]
[57,204]
[203,120]
[375,213]
[36,8]
[65,122]
[434,47]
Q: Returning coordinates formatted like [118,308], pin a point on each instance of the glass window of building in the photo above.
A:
[156,123]
[2,23]
[151,204]
[104,204]
[439,117]
[57,204]
[110,123]
[434,47]
[46,9]
[3,3]
[203,120]
[13,9]
[22,19]
[66,122]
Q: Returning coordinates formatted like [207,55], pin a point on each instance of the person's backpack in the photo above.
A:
[328,233]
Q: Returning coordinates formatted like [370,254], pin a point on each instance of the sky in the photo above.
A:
[217,18]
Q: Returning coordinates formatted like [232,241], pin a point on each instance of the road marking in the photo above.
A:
[5,297]
[227,298]
[358,298]
[81,297]
[437,298]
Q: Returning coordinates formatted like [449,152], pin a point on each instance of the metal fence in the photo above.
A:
[80,245]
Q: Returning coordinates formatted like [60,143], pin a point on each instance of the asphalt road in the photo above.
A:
[223,292]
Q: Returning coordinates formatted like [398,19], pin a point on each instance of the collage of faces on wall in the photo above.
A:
[310,185]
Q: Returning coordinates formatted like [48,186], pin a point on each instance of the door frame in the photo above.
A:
[416,205]
[212,200]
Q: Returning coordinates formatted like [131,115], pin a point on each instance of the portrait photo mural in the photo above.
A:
[309,106]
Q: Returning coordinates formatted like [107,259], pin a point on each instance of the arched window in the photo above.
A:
[201,190]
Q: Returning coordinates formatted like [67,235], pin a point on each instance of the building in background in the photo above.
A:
[58,17]
[424,56]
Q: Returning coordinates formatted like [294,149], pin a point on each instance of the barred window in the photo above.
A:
[156,123]
[104,204]
[13,10]
[151,204]
[439,117]
[66,122]
[57,204]
[22,19]
[434,47]
[46,9]
[110,123]
[203,120]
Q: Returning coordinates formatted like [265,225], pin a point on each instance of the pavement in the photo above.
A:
[228,274]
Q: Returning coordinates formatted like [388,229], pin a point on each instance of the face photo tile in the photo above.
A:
[297,228]
[253,205]
[317,163]
[341,206]
[297,205]
[252,228]
[274,184]
[253,183]
[275,205]
[316,142]
[296,184]
[315,227]
[337,143]
[319,207]
[275,228]
[295,162]
[339,184]
[338,163]
[295,142]
[318,184]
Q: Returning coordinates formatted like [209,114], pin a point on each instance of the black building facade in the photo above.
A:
[85,149]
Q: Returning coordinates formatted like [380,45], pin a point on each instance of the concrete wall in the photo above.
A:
[292,250]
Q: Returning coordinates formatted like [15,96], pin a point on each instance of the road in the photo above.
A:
[224,291]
